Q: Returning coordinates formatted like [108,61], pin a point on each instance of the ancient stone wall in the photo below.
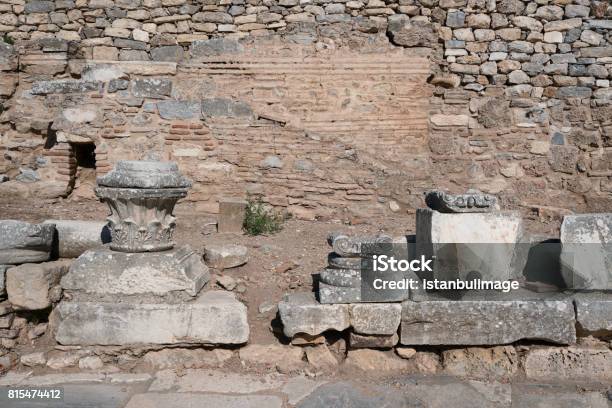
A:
[322,107]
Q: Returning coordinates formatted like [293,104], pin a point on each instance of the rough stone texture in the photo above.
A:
[375,360]
[385,52]
[329,294]
[301,313]
[231,215]
[3,269]
[21,242]
[470,245]
[214,318]
[485,363]
[225,256]
[75,237]
[214,381]
[586,251]
[471,202]
[103,271]
[594,314]
[173,400]
[357,341]
[283,358]
[381,319]
[484,322]
[550,364]
[31,286]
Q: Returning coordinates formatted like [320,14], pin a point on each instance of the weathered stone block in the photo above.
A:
[471,245]
[104,271]
[594,314]
[30,286]
[75,237]
[231,215]
[571,363]
[586,254]
[64,86]
[225,256]
[3,269]
[357,341]
[329,294]
[216,317]
[172,53]
[215,47]
[21,242]
[301,313]
[171,110]
[482,322]
[224,107]
[156,88]
[376,318]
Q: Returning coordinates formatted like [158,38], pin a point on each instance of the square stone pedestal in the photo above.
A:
[471,245]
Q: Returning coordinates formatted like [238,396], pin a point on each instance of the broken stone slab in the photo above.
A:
[468,246]
[372,341]
[486,322]
[376,318]
[329,294]
[301,313]
[63,86]
[340,262]
[348,246]
[104,271]
[216,317]
[472,201]
[594,314]
[22,242]
[284,358]
[225,107]
[225,256]
[569,363]
[231,215]
[350,278]
[586,251]
[33,286]
[75,237]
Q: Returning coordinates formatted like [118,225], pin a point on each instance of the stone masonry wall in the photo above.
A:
[322,107]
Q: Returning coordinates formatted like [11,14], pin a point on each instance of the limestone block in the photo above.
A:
[482,322]
[171,110]
[156,88]
[214,47]
[21,242]
[64,86]
[375,318]
[225,256]
[216,317]
[31,286]
[372,341]
[594,314]
[329,294]
[301,313]
[75,237]
[104,271]
[569,363]
[470,244]
[231,215]
[586,251]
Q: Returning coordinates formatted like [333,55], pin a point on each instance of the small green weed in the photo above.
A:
[260,220]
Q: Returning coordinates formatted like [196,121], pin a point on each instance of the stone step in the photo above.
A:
[215,317]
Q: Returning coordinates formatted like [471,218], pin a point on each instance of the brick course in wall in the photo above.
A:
[321,107]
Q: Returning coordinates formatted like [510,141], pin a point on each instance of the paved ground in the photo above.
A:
[213,388]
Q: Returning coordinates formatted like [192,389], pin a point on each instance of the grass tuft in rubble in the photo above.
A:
[260,220]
